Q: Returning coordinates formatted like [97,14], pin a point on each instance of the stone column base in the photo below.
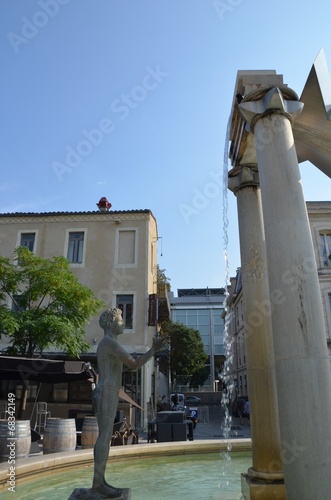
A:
[257,489]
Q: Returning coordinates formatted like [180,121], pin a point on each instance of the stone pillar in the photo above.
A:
[301,359]
[265,479]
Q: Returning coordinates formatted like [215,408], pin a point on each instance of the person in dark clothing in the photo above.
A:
[240,406]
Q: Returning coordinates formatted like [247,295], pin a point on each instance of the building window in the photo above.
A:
[325,243]
[203,329]
[125,303]
[219,350]
[179,317]
[17,303]
[126,248]
[32,391]
[28,240]
[75,247]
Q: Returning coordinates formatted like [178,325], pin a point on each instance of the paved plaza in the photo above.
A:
[216,426]
[212,424]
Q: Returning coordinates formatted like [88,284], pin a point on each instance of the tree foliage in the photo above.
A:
[163,282]
[199,376]
[187,354]
[51,307]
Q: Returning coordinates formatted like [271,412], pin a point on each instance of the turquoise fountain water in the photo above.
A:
[209,476]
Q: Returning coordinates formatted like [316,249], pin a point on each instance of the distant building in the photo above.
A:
[202,309]
[236,336]
[319,214]
[114,253]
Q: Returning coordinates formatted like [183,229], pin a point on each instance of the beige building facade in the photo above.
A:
[114,253]
[319,214]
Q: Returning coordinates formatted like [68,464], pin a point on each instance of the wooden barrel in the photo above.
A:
[90,432]
[15,440]
[59,435]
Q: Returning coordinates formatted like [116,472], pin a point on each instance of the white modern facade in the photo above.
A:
[202,309]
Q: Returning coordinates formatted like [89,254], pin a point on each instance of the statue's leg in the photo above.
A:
[101,452]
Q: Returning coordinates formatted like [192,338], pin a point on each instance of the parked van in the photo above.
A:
[177,401]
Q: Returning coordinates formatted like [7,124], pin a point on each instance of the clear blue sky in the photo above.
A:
[142,89]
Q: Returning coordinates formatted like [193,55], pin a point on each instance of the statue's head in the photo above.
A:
[109,317]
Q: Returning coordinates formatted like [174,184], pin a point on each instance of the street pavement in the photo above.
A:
[214,425]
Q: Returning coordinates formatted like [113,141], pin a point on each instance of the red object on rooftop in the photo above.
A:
[104,205]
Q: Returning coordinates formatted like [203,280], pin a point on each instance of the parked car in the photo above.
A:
[192,400]
[177,401]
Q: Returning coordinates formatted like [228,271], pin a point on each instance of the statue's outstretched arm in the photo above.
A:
[136,363]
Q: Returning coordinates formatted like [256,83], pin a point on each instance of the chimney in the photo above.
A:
[104,205]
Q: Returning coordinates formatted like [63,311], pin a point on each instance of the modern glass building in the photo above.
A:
[202,309]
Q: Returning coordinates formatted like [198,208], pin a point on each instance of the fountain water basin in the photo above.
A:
[198,469]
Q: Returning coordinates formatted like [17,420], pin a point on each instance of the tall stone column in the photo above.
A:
[301,358]
[265,479]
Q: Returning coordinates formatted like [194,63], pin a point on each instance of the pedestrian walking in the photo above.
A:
[248,411]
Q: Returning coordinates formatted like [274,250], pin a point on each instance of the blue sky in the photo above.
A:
[130,99]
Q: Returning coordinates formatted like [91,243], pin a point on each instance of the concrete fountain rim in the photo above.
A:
[38,465]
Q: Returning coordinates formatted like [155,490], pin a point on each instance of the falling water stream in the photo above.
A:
[226,395]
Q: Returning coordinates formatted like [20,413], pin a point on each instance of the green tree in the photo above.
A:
[199,376]
[163,282]
[187,354]
[51,307]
